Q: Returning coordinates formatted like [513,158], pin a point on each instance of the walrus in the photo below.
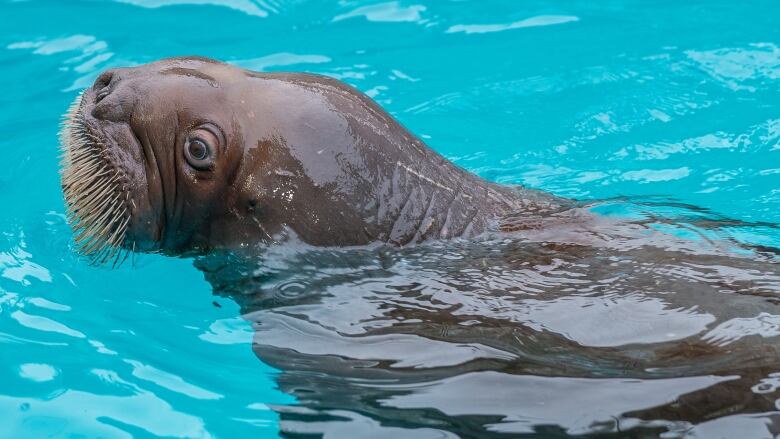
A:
[190,154]
[478,310]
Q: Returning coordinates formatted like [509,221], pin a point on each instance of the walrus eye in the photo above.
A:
[199,154]
[198,150]
[202,146]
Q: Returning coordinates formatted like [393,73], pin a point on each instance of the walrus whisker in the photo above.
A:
[105,224]
[94,204]
[96,244]
[117,257]
[88,194]
[95,197]
[87,169]
[118,231]
[101,222]
[101,256]
[100,217]
[90,234]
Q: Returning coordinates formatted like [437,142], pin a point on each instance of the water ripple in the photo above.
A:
[657,319]
[386,12]
[541,20]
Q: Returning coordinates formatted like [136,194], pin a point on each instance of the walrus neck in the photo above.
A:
[427,197]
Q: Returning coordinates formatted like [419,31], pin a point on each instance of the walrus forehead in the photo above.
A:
[192,73]
[213,72]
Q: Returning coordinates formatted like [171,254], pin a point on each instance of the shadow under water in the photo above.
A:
[641,324]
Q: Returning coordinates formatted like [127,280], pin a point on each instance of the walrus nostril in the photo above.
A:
[103,80]
[102,85]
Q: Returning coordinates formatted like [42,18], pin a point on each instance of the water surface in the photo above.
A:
[669,110]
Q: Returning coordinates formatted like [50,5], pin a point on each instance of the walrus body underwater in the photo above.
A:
[541,318]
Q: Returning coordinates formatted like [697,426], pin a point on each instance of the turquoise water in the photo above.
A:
[669,99]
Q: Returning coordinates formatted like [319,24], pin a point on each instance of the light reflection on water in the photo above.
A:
[560,332]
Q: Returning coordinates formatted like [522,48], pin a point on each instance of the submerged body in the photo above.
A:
[604,329]
[631,325]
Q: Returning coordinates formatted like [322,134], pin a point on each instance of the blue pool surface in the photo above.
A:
[591,100]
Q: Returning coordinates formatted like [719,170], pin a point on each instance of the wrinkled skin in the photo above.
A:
[289,153]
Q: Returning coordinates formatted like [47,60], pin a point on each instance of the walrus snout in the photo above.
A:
[104,177]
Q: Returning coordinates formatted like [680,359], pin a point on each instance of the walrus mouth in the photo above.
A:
[96,198]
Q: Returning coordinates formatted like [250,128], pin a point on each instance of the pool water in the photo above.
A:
[673,102]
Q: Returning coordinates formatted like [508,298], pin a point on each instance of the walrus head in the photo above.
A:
[147,151]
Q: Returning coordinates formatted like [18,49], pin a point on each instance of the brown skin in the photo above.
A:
[218,156]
